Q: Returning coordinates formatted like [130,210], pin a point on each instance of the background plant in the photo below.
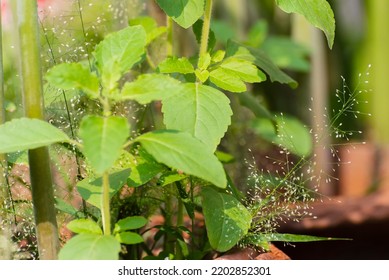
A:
[196,115]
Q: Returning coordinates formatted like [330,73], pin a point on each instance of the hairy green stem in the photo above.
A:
[39,160]
[105,205]
[206,28]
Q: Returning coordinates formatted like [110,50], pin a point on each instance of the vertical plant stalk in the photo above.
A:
[206,27]
[39,160]
[105,205]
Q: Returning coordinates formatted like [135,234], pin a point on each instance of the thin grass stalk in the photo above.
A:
[39,160]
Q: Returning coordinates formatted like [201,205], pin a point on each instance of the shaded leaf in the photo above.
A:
[91,247]
[226,219]
[201,110]
[26,134]
[143,168]
[129,238]
[65,207]
[103,138]
[287,54]
[91,189]
[291,134]
[170,177]
[249,101]
[182,151]
[198,29]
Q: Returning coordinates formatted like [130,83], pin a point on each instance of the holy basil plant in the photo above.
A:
[196,115]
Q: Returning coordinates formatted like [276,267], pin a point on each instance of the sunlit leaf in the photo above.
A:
[317,12]
[68,76]
[182,151]
[232,74]
[84,226]
[103,138]
[118,52]
[25,134]
[151,87]
[91,247]
[153,31]
[129,238]
[256,239]
[184,12]
[129,223]
[260,59]
[176,65]
[201,110]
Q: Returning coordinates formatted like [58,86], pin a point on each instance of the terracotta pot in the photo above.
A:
[252,254]
[365,168]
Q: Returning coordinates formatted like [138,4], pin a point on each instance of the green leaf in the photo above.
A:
[65,207]
[201,110]
[287,54]
[232,74]
[259,110]
[149,24]
[226,219]
[291,135]
[129,223]
[317,12]
[26,134]
[176,65]
[202,75]
[84,226]
[118,52]
[204,61]
[129,238]
[170,177]
[103,139]
[184,12]
[151,87]
[182,151]
[255,239]
[224,157]
[260,59]
[218,56]
[91,247]
[198,29]
[143,168]
[257,34]
[68,76]
[91,189]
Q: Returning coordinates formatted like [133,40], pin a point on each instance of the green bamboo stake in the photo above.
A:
[5,243]
[39,161]
[377,55]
